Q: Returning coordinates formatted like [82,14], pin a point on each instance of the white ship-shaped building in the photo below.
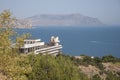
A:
[37,46]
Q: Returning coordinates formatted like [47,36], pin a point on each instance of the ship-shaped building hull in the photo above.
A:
[37,46]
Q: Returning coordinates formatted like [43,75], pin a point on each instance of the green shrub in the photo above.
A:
[46,67]
[109,58]
[96,77]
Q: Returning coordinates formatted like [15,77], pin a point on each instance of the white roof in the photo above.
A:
[32,40]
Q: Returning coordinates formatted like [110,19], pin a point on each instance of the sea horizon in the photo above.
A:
[91,41]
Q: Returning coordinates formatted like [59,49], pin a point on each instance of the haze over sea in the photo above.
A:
[92,41]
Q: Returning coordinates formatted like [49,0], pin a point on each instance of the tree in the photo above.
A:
[11,65]
[6,31]
[7,23]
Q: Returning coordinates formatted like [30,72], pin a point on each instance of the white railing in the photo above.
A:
[33,45]
[50,49]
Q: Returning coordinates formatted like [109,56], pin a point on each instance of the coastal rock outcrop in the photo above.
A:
[23,24]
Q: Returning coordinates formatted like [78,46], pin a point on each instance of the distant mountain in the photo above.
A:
[64,20]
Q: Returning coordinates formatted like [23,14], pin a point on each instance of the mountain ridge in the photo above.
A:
[63,20]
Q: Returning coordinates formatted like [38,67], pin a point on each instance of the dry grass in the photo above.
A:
[89,70]
[112,67]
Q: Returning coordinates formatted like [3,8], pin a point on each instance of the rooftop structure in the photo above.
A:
[37,46]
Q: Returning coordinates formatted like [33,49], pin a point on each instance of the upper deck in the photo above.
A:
[28,43]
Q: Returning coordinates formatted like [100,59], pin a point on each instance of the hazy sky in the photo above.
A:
[108,11]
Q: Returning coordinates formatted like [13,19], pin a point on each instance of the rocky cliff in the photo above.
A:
[23,24]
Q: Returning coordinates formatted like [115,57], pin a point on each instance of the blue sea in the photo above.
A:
[92,41]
